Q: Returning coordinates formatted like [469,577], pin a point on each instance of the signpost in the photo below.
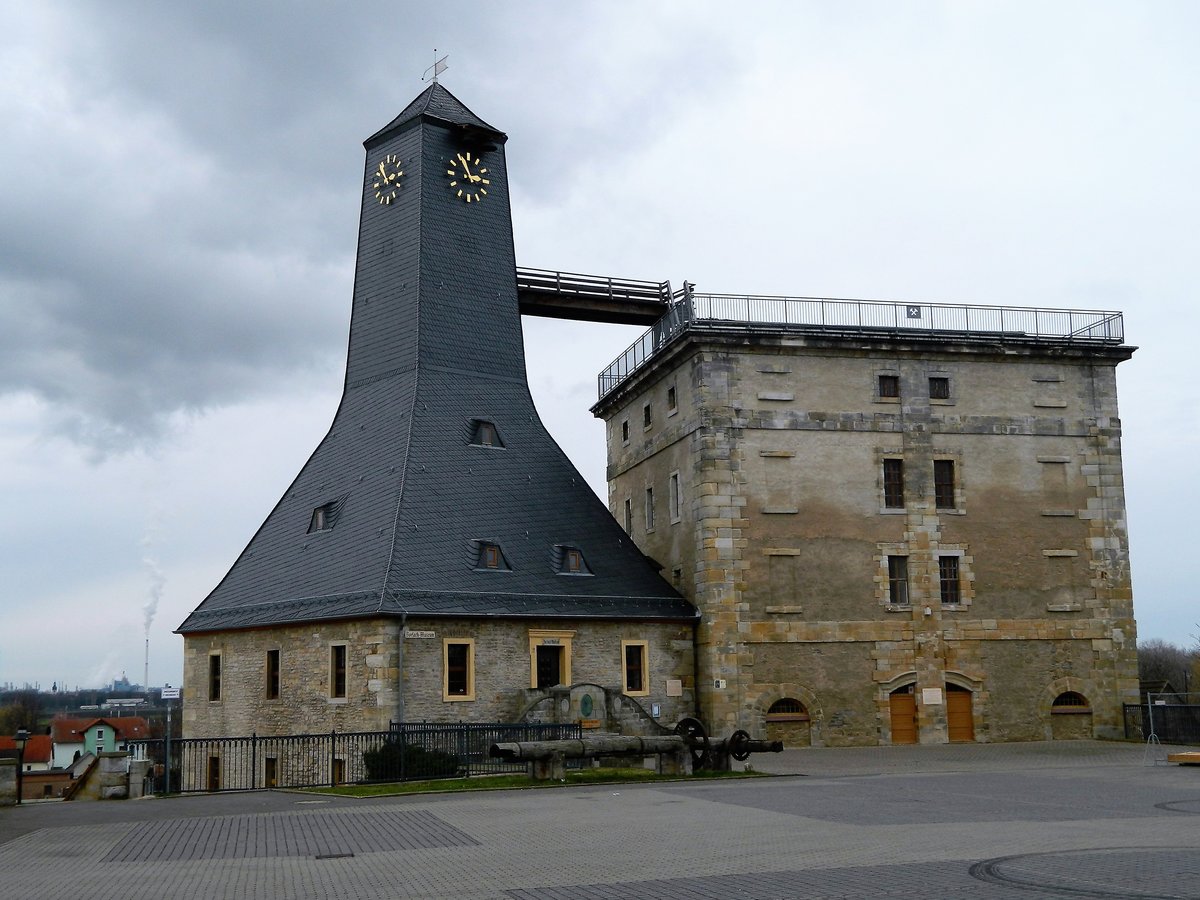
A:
[168,694]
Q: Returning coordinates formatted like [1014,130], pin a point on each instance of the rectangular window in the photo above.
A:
[898,580]
[625,431]
[272,674]
[337,671]
[572,561]
[943,483]
[646,420]
[549,658]
[491,556]
[628,516]
[893,483]
[948,579]
[671,403]
[939,388]
[214,676]
[673,497]
[649,509]
[634,660]
[458,666]
[889,385]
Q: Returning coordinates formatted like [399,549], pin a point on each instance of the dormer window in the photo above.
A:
[323,517]
[570,561]
[484,434]
[491,558]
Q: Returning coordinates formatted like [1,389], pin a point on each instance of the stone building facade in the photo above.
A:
[294,680]
[894,533]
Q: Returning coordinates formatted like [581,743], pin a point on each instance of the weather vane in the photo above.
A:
[439,66]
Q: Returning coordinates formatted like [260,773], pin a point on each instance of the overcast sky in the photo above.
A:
[179,197]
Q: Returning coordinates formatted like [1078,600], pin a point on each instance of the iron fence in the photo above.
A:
[405,752]
[1174,723]
[745,312]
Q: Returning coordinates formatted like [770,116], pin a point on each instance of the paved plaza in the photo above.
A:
[1071,819]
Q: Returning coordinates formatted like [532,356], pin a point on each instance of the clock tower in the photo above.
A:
[438,494]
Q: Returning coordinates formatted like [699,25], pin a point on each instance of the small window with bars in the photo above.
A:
[893,483]
[939,387]
[898,580]
[889,386]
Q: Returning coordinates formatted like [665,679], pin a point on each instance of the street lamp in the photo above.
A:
[19,739]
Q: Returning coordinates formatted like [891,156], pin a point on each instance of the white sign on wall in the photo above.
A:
[931,696]
[409,633]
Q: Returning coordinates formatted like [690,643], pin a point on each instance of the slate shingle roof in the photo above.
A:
[438,103]
[435,343]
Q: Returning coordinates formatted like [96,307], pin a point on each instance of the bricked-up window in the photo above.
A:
[635,658]
[214,676]
[898,580]
[948,580]
[889,385]
[674,497]
[272,674]
[893,483]
[646,418]
[943,483]
[939,388]
[458,668]
[337,671]
[649,509]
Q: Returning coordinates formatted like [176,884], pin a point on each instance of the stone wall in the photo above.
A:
[376,655]
[785,534]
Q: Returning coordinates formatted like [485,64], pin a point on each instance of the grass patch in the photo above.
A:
[510,782]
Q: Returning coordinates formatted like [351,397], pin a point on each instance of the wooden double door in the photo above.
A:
[960,715]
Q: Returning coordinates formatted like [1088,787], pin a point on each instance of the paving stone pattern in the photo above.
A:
[319,835]
[1008,822]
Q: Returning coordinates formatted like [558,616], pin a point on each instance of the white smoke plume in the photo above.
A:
[156,578]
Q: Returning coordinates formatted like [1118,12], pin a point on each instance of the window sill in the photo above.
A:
[671,412]
[636,693]
[780,510]
[892,510]
[956,511]
[1070,710]
[336,701]
[899,608]
[784,610]
[466,699]
[895,400]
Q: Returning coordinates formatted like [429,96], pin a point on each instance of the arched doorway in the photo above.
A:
[902,704]
[960,716]
[1070,717]
[788,720]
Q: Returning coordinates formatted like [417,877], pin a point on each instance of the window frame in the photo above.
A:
[893,482]
[273,676]
[892,381]
[339,671]
[539,637]
[468,669]
[214,677]
[950,591]
[672,400]
[942,390]
[945,492]
[647,417]
[674,498]
[629,515]
[897,578]
[624,431]
[649,510]
[642,651]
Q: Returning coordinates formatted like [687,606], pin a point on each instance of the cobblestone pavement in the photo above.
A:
[952,821]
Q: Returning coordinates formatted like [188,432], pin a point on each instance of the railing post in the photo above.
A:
[253,759]
[332,737]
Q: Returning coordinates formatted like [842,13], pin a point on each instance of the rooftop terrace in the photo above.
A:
[876,319]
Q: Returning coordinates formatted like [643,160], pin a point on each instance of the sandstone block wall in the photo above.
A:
[395,673]
[785,533]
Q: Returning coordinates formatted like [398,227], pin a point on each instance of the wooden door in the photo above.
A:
[903,705]
[960,721]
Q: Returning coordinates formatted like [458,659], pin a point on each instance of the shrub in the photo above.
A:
[396,761]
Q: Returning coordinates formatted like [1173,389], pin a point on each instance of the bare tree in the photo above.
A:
[1160,661]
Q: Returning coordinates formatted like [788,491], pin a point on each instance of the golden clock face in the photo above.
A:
[468,179]
[387,179]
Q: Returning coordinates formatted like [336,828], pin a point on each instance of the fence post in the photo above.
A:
[253,759]
[332,739]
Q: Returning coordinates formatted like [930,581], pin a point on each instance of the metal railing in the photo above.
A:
[996,324]
[405,752]
[551,282]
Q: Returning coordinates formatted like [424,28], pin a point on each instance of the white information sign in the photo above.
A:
[170,693]
[931,696]
[409,633]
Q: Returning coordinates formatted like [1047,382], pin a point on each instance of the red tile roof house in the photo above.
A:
[75,737]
